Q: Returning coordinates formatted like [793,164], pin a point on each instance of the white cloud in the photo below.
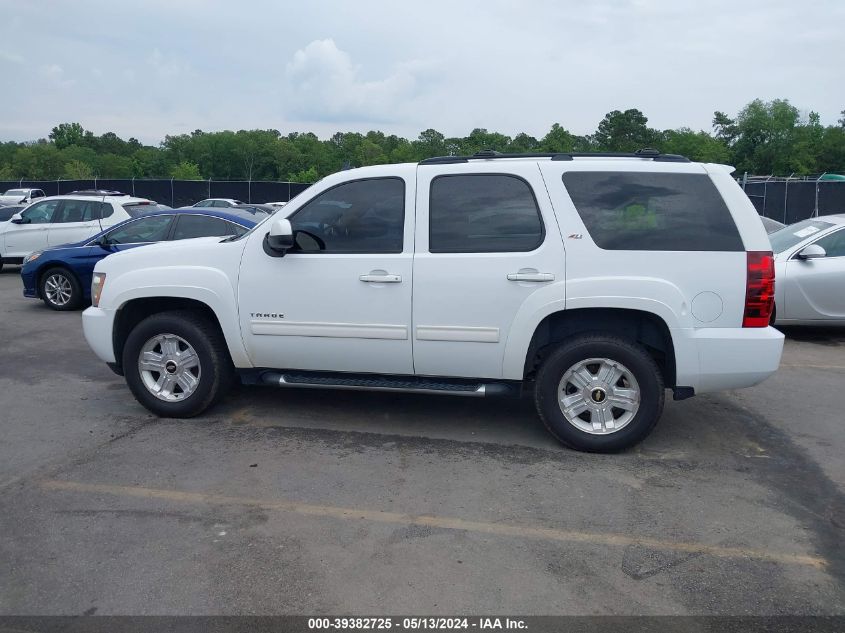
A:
[324,84]
[11,58]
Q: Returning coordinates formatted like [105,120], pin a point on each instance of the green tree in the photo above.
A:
[624,131]
[697,146]
[186,170]
[559,139]
[306,175]
[66,134]
[77,170]
[765,137]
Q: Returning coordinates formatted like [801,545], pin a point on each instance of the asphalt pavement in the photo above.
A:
[308,502]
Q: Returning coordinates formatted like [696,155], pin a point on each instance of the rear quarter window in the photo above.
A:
[652,211]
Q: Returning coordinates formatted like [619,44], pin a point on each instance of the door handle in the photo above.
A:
[381,278]
[531,277]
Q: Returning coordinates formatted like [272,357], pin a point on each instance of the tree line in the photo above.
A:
[765,137]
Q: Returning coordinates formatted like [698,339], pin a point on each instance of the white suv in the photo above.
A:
[593,282]
[62,220]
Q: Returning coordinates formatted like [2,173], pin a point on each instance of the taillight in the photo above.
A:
[759,289]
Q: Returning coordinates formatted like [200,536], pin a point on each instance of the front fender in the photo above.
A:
[207,285]
[665,300]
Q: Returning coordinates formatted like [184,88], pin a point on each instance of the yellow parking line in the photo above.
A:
[449,523]
[806,366]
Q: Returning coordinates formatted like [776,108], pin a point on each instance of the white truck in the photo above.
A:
[591,283]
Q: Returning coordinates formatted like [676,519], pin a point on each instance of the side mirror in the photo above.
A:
[813,251]
[280,238]
[17,219]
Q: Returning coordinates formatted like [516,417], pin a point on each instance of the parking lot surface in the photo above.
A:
[303,502]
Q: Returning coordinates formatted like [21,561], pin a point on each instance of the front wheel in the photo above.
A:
[177,364]
[599,393]
[60,289]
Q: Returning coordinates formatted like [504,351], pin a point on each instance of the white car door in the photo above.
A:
[341,300]
[486,242]
[814,289]
[74,221]
[31,234]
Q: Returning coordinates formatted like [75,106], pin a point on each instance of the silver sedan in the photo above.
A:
[810,272]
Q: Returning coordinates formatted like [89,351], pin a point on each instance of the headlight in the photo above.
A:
[32,257]
[97,284]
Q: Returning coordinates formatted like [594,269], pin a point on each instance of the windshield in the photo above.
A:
[15,192]
[791,235]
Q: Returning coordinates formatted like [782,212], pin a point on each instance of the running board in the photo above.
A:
[373,382]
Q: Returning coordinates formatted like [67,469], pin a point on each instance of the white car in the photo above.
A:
[21,196]
[810,269]
[216,203]
[591,282]
[63,219]
[276,204]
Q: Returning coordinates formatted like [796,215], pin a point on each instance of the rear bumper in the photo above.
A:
[98,324]
[727,358]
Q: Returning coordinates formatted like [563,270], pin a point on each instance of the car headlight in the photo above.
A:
[97,284]
[32,257]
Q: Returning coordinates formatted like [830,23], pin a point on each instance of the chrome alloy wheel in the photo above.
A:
[599,396]
[169,367]
[58,289]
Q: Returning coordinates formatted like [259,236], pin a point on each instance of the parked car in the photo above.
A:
[6,213]
[21,196]
[61,276]
[257,209]
[810,269]
[216,203]
[62,219]
[592,283]
[771,225]
[276,204]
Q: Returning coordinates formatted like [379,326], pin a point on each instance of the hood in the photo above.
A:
[12,199]
[162,253]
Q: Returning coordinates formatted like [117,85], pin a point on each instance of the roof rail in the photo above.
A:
[489,154]
[96,192]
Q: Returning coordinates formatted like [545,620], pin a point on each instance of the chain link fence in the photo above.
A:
[175,193]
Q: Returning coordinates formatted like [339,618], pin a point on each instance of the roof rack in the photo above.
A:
[488,154]
[96,192]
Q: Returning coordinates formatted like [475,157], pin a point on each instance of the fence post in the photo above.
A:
[816,207]
[95,183]
[133,186]
[744,180]
[288,190]
[58,186]
[249,190]
[209,187]
[765,186]
[786,195]
[171,192]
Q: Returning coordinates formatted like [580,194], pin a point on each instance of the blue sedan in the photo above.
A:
[61,276]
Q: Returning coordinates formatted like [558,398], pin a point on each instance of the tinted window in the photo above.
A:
[238,230]
[152,229]
[6,213]
[648,211]
[486,213]
[37,194]
[833,244]
[791,235]
[71,211]
[364,216]
[40,213]
[188,226]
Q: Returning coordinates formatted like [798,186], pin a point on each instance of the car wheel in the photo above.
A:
[60,289]
[599,393]
[177,364]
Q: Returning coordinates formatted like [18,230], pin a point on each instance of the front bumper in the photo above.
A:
[30,283]
[98,325]
[726,358]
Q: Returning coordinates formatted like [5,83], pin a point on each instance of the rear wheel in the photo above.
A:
[599,393]
[60,289]
[176,363]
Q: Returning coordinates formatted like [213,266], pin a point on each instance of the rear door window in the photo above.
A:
[652,211]
[190,226]
[483,213]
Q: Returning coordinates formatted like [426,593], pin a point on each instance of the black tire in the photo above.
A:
[645,371]
[59,273]
[216,373]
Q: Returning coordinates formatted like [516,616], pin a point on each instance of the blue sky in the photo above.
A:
[152,68]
